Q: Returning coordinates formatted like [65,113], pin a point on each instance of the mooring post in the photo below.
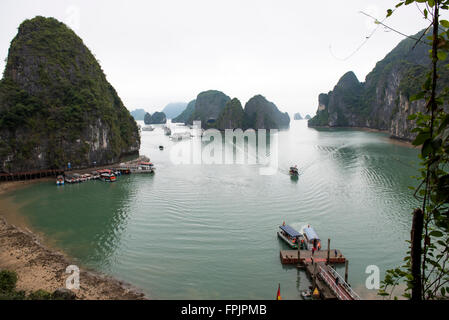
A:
[346,270]
[299,252]
[314,275]
[328,250]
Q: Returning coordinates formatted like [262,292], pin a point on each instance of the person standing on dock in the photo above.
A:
[336,253]
[313,250]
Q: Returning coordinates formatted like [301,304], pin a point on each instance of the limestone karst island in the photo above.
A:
[205,153]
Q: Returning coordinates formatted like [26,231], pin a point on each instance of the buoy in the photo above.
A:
[316,293]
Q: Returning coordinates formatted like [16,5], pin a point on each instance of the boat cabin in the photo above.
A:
[291,236]
[311,238]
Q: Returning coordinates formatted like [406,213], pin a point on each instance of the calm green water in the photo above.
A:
[209,231]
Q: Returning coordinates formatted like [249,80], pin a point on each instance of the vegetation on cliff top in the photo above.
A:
[53,95]
[232,115]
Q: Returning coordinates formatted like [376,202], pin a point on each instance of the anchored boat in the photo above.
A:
[59,180]
[107,175]
[291,236]
[311,238]
[294,171]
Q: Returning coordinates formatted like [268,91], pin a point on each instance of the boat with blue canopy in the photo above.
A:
[311,238]
[291,236]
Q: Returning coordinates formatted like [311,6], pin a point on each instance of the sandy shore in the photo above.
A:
[40,267]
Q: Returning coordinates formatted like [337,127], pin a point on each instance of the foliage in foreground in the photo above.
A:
[426,268]
[8,282]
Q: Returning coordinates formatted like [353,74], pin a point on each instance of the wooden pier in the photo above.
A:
[330,285]
[30,175]
[291,256]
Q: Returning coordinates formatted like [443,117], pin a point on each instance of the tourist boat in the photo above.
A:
[143,167]
[70,179]
[77,177]
[311,238]
[161,147]
[167,131]
[148,128]
[180,136]
[294,171]
[59,180]
[95,175]
[107,175]
[291,236]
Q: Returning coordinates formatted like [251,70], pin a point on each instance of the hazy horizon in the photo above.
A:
[159,52]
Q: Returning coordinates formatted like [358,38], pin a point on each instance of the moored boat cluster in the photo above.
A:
[141,165]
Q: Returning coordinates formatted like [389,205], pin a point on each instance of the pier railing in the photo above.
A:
[342,283]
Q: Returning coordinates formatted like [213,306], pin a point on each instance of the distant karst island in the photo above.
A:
[297,116]
[56,105]
[156,118]
[217,110]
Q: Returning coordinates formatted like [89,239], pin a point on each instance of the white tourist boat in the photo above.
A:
[148,128]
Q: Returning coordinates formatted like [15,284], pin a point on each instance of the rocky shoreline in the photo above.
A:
[39,267]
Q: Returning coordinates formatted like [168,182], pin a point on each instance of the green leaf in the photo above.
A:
[436,233]
[421,138]
[444,23]
[441,55]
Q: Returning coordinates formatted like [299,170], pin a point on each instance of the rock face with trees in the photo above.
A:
[383,100]
[56,105]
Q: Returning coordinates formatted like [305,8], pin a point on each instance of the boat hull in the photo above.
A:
[286,240]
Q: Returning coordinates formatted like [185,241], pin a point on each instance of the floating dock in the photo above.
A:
[329,283]
[291,256]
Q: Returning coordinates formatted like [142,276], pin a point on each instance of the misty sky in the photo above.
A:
[156,52]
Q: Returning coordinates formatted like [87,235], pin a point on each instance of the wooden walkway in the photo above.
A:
[291,256]
[30,175]
[323,276]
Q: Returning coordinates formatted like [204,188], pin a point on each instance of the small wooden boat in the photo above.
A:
[294,171]
[77,177]
[69,179]
[291,236]
[95,175]
[306,294]
[161,148]
[59,180]
[311,238]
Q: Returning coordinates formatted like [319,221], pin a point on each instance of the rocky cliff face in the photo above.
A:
[383,100]
[297,116]
[263,114]
[56,105]
[208,107]
[232,115]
